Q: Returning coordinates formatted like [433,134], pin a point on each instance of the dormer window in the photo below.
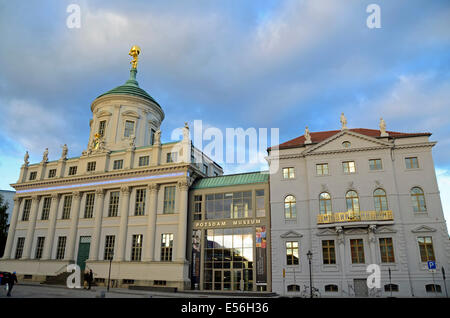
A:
[346,144]
[129,128]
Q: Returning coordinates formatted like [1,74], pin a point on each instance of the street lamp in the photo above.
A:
[309,255]
[109,273]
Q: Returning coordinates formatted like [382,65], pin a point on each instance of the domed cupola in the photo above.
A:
[126,115]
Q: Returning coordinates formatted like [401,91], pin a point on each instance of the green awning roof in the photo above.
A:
[231,180]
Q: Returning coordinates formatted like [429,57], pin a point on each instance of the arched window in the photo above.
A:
[325,203]
[293,288]
[331,288]
[380,200]
[290,212]
[352,200]
[418,200]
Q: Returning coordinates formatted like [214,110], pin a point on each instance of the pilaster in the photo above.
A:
[98,215]
[31,226]
[47,253]
[152,204]
[12,228]
[124,205]
[74,215]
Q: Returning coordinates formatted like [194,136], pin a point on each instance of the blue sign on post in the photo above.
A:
[431,264]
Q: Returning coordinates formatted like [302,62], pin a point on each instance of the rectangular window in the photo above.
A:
[292,253]
[113,204]
[349,166]
[39,247]
[144,161]
[322,169]
[109,247]
[166,247]
[129,128]
[205,169]
[118,164]
[89,207]
[33,175]
[136,247]
[61,249]
[26,210]
[426,248]
[357,250]
[288,173]
[52,173]
[152,136]
[329,252]
[91,166]
[101,128]
[19,247]
[411,163]
[140,202]
[66,207]
[387,250]
[169,200]
[171,157]
[197,207]
[260,204]
[72,170]
[46,208]
[375,164]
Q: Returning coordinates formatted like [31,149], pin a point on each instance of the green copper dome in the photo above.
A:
[131,87]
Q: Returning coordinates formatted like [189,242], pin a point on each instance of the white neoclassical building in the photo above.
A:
[125,198]
[354,197]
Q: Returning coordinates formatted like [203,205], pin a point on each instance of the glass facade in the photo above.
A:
[232,205]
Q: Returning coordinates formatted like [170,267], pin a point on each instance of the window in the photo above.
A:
[293,288]
[61,249]
[411,163]
[33,175]
[39,247]
[72,170]
[331,288]
[433,288]
[46,208]
[26,210]
[89,207]
[328,252]
[380,200]
[205,169]
[129,128]
[387,250]
[234,205]
[375,164]
[19,247]
[197,207]
[322,169]
[171,157]
[418,200]
[357,250]
[349,166]
[152,136]
[140,202]
[288,173]
[325,203]
[169,200]
[260,204]
[113,209]
[166,247]
[52,173]
[91,166]
[290,211]
[136,247]
[346,144]
[143,161]
[391,287]
[118,164]
[426,248]
[291,253]
[101,128]
[66,207]
[109,247]
[352,201]
[159,283]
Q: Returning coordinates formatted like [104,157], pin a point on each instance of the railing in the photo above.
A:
[351,216]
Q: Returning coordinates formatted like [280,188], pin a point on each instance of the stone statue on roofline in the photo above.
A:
[307,136]
[65,151]
[383,132]
[343,122]
[25,158]
[45,156]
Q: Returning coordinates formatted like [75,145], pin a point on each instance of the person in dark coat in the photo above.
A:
[90,278]
[12,278]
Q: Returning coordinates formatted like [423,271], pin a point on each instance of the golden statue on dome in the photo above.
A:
[134,52]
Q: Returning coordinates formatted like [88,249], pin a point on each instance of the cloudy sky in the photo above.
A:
[230,63]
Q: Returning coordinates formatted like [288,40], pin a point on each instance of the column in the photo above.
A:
[124,205]
[149,239]
[341,245]
[373,244]
[31,226]
[183,187]
[48,245]
[74,215]
[98,215]
[12,228]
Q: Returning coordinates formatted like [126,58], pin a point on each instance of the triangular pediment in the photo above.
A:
[291,234]
[385,230]
[327,231]
[357,142]
[356,231]
[423,229]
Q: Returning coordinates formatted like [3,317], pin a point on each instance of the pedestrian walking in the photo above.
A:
[90,278]
[85,279]
[12,278]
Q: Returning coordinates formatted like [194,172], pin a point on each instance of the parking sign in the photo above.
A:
[431,265]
